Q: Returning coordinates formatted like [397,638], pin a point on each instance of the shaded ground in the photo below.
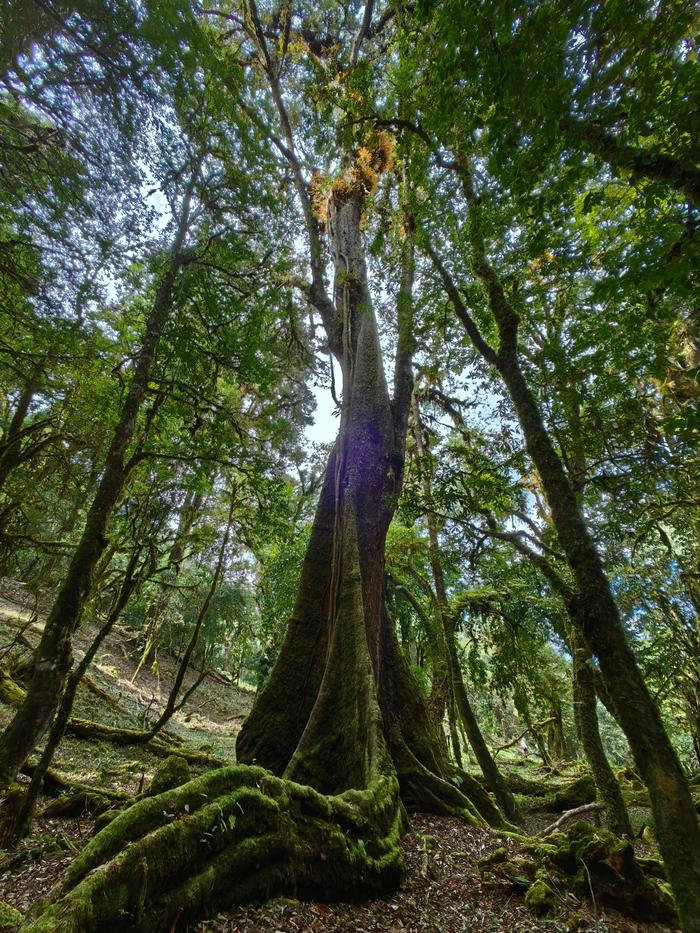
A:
[444,891]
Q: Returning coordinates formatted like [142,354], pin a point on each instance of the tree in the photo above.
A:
[340,712]
[497,340]
[53,657]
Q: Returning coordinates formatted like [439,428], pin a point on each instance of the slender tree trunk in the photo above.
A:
[454,734]
[438,697]
[11,446]
[158,607]
[675,816]
[171,705]
[587,727]
[53,655]
[488,766]
[556,740]
[21,823]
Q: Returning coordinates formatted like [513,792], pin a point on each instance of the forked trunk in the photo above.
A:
[341,704]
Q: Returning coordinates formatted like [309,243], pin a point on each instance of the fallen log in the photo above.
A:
[575,793]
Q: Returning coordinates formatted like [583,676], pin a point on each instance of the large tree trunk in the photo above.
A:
[340,713]
[341,703]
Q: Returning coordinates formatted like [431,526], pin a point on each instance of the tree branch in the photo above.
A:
[484,348]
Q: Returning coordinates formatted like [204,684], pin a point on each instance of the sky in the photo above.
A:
[325,426]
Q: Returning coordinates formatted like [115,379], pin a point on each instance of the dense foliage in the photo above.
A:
[165,172]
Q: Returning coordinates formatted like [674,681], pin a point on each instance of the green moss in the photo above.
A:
[10,692]
[235,835]
[540,898]
[172,772]
[9,917]
[498,855]
[12,815]
[587,857]
[573,794]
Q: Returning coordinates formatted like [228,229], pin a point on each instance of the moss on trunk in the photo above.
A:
[341,711]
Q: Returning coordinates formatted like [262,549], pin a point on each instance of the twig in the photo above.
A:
[570,815]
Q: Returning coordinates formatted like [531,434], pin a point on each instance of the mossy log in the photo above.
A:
[10,692]
[233,835]
[89,684]
[586,860]
[13,695]
[55,784]
[173,772]
[9,917]
[568,796]
[77,804]
[520,785]
[595,858]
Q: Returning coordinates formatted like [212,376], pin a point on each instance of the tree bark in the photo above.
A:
[675,816]
[160,604]
[11,445]
[340,713]
[587,727]
[488,766]
[341,704]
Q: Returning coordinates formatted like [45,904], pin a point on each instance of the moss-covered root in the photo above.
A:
[588,861]
[9,917]
[231,836]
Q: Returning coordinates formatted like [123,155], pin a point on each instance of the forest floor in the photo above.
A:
[444,891]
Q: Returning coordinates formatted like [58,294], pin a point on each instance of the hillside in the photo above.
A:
[447,889]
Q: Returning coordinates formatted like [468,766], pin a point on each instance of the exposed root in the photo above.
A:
[590,862]
[230,836]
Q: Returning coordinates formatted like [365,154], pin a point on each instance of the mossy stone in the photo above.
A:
[172,772]
[540,898]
